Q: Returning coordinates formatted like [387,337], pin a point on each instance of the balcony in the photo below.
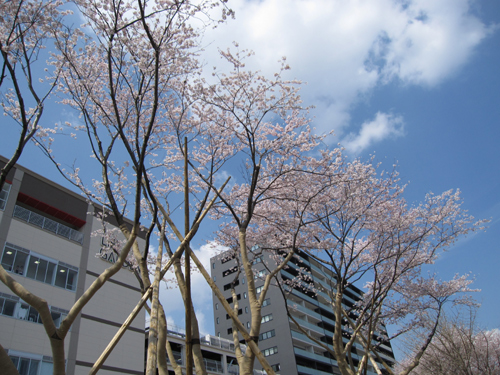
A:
[47,224]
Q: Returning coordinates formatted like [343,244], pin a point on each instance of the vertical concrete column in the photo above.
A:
[9,207]
[80,289]
[224,364]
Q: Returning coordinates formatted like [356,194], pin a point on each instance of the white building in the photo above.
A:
[218,353]
[46,245]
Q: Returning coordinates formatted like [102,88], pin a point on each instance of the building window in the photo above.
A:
[260,274]
[246,309]
[229,271]
[26,366]
[240,311]
[245,295]
[248,325]
[217,320]
[213,266]
[14,259]
[266,302]
[215,278]
[257,260]
[230,299]
[259,289]
[37,267]
[66,277]
[229,331]
[31,364]
[266,335]
[4,195]
[15,307]
[270,351]
[267,318]
[228,286]
[217,306]
[8,304]
[243,280]
[276,367]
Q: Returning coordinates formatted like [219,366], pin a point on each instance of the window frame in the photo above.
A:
[266,318]
[26,267]
[30,314]
[4,195]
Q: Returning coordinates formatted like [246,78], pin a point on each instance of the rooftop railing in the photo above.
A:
[47,224]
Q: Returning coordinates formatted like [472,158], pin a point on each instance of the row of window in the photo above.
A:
[31,364]
[230,330]
[267,335]
[266,318]
[257,260]
[260,274]
[266,302]
[229,271]
[37,267]
[228,286]
[270,351]
[15,307]
[240,311]
[4,194]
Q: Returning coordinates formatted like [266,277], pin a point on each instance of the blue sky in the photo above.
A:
[413,82]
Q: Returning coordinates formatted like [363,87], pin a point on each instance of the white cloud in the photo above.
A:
[383,126]
[344,49]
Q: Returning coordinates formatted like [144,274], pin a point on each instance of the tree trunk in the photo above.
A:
[6,363]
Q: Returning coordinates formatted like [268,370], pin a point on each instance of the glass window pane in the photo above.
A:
[33,315]
[22,311]
[9,307]
[34,367]
[42,270]
[61,276]
[56,317]
[72,275]
[32,267]
[50,272]
[20,262]
[24,366]
[3,195]
[15,360]
[8,258]
[47,368]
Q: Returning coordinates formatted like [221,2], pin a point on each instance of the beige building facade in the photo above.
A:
[47,245]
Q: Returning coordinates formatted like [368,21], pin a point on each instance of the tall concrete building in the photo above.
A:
[46,244]
[286,348]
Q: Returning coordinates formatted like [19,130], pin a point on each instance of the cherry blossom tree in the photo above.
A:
[128,77]
[26,28]
[458,347]
[259,124]
[361,230]
[125,76]
[160,134]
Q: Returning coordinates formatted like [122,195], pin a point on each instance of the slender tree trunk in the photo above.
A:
[162,343]
[151,362]
[338,344]
[189,311]
[6,363]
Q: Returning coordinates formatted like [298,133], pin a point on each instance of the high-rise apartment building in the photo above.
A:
[46,244]
[288,350]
